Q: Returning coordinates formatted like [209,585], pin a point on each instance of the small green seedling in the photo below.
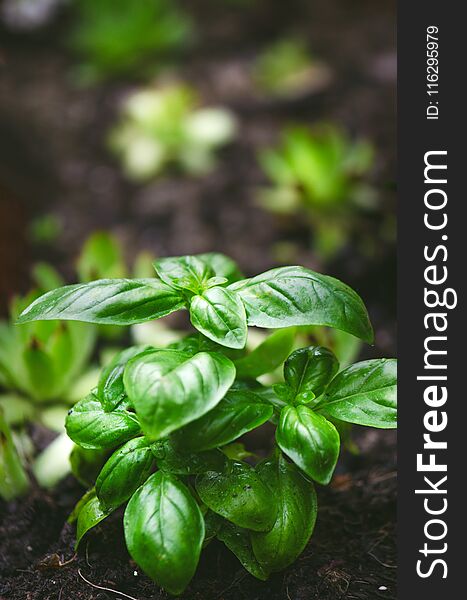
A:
[172,417]
[127,37]
[319,173]
[165,127]
[287,69]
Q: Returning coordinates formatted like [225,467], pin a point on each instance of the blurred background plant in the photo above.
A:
[128,37]
[287,69]
[319,173]
[163,127]
[44,369]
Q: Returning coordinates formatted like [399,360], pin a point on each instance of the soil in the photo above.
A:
[54,158]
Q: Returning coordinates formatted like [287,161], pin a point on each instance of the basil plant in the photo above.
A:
[172,416]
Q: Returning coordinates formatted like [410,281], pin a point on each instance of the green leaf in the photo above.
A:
[91,513]
[278,548]
[124,472]
[181,462]
[106,301]
[364,393]
[238,541]
[169,388]
[184,272]
[239,412]
[40,370]
[239,496]
[90,427]
[110,389]
[220,315]
[310,440]
[307,372]
[222,265]
[290,296]
[268,355]
[164,531]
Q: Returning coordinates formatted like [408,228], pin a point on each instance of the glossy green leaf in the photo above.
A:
[90,515]
[268,355]
[310,440]
[169,388]
[220,315]
[239,412]
[181,462]
[184,272]
[164,531]
[309,370]
[278,548]
[238,541]
[290,296]
[239,496]
[364,393]
[90,427]
[124,472]
[110,389]
[106,301]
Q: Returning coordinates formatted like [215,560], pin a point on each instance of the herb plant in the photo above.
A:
[118,37]
[172,416]
[319,173]
[163,127]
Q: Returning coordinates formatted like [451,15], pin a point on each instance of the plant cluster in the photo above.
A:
[163,127]
[117,37]
[172,416]
[320,173]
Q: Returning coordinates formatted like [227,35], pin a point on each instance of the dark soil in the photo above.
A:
[53,158]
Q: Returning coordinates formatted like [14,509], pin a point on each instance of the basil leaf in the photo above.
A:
[268,355]
[110,389]
[222,265]
[169,388]
[90,515]
[181,462]
[297,296]
[124,472]
[184,272]
[238,541]
[106,301]
[164,531]
[220,315]
[364,393]
[90,427]
[310,440]
[239,412]
[310,370]
[239,496]
[278,548]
